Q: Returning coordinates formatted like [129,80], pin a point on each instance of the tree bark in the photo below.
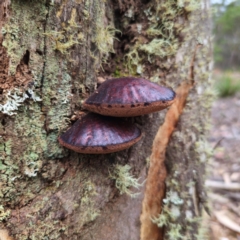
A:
[51,53]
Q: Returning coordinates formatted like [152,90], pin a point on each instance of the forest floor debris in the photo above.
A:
[224,174]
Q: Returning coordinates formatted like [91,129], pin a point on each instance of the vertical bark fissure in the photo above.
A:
[44,49]
[3,17]
[44,62]
[4,145]
[87,45]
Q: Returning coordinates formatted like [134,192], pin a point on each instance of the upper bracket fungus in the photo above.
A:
[128,97]
[96,134]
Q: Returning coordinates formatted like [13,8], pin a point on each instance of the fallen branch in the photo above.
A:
[222,185]
[226,221]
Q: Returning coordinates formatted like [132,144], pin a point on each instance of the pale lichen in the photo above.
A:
[104,40]
[63,40]
[15,98]
[174,232]
[161,220]
[124,180]
[4,214]
[171,210]
[173,198]
[204,150]
[32,168]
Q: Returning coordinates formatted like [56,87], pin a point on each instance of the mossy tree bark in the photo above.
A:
[51,53]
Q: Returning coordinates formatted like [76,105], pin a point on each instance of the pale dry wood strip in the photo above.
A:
[155,185]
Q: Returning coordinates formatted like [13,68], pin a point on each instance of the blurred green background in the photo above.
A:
[226,30]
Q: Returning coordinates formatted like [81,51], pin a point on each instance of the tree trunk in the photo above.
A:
[51,53]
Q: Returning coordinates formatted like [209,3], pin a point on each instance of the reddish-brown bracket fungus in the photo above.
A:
[96,134]
[128,96]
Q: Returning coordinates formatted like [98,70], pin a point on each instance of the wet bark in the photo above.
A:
[51,53]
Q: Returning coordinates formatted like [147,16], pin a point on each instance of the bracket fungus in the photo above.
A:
[118,97]
[128,97]
[97,134]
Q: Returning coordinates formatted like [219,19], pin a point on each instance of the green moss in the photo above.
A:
[8,145]
[20,29]
[162,33]
[160,47]
[25,157]
[87,202]
[104,40]
[133,59]
[36,124]
[103,35]
[64,39]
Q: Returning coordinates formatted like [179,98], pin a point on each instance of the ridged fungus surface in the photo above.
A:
[96,134]
[128,96]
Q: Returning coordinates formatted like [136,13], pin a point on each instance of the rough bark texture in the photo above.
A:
[50,55]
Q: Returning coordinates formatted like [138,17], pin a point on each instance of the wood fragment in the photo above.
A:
[224,202]
[195,200]
[234,195]
[226,221]
[222,185]
[4,235]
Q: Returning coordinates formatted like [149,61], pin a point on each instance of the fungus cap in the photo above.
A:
[96,134]
[128,96]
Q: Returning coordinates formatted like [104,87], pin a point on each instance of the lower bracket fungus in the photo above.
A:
[96,134]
